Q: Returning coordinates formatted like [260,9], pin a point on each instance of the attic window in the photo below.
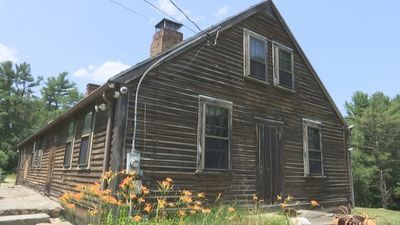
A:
[283,66]
[255,55]
[215,119]
[313,155]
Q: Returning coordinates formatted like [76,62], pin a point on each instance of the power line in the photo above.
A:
[129,9]
[154,6]
[187,17]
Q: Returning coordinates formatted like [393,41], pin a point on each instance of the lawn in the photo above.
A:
[393,217]
[9,179]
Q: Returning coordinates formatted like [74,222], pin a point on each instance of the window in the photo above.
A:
[215,119]
[84,150]
[255,55]
[37,153]
[313,158]
[283,66]
[69,144]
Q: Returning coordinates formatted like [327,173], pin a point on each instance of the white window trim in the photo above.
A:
[246,54]
[72,141]
[203,101]
[275,62]
[90,135]
[315,124]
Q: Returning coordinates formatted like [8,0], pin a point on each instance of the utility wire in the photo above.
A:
[157,8]
[187,17]
[129,9]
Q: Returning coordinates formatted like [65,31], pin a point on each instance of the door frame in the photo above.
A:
[278,187]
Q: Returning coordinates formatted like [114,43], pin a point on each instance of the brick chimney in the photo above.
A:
[90,88]
[167,36]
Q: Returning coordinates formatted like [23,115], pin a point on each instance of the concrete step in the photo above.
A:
[27,219]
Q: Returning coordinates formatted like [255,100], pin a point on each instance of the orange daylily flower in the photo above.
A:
[201,195]
[126,181]
[187,193]
[186,199]
[161,203]
[196,207]
[137,218]
[147,208]
[205,211]
[145,190]
[93,212]
[314,203]
[181,212]
[255,198]
[169,180]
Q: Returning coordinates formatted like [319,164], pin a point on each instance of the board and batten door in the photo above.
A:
[269,174]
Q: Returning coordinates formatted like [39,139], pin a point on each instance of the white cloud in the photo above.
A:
[8,53]
[221,12]
[169,8]
[101,73]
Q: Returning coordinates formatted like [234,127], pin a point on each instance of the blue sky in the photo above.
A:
[353,45]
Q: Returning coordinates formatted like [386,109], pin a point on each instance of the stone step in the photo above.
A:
[27,219]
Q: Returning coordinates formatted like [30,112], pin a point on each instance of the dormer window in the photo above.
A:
[255,56]
[283,66]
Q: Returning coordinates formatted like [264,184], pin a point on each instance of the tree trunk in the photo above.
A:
[383,191]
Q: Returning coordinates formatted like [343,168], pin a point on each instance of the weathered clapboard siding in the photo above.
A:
[64,179]
[168,115]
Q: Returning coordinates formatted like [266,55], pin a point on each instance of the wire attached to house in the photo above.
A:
[157,63]
[171,17]
[187,17]
[129,9]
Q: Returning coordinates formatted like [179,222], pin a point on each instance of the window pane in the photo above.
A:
[67,154]
[285,60]
[257,70]
[257,49]
[87,123]
[39,143]
[217,121]
[285,79]
[314,138]
[316,156]
[83,152]
[315,167]
[71,127]
[216,153]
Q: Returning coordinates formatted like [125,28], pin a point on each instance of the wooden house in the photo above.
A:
[236,109]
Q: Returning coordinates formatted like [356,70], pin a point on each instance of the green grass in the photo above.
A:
[393,217]
[8,179]
[240,217]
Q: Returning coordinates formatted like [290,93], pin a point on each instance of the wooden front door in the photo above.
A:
[269,177]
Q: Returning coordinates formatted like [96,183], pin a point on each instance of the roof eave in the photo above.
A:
[65,115]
